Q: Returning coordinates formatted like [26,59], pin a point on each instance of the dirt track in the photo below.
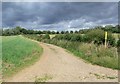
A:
[58,65]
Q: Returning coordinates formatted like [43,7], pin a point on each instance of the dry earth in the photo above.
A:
[58,65]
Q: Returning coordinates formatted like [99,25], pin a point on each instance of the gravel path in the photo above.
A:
[58,65]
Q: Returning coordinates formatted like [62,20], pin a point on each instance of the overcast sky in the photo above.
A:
[59,15]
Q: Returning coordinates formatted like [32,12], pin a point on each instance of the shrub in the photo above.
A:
[66,37]
[85,38]
[97,36]
[46,36]
[93,53]
[58,37]
[111,40]
[118,43]
[99,55]
[69,37]
[76,37]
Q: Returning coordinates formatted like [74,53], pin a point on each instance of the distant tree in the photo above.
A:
[44,32]
[98,27]
[30,31]
[8,32]
[62,32]
[23,31]
[83,31]
[57,32]
[116,29]
[108,26]
[39,32]
[76,32]
[76,37]
[46,36]
[97,36]
[71,32]
[17,30]
[66,37]
[48,32]
[66,32]
[118,43]
[1,31]
[53,32]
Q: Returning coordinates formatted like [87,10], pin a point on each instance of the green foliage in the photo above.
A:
[57,32]
[76,37]
[68,37]
[71,32]
[34,36]
[38,37]
[85,38]
[108,28]
[66,32]
[112,29]
[46,36]
[98,37]
[93,49]
[93,53]
[15,31]
[111,40]
[18,30]
[18,52]
[118,43]
[62,32]
[98,55]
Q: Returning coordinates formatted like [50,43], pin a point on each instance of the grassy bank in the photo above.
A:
[17,53]
[99,55]
[90,52]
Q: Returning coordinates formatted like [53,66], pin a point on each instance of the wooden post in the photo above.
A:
[105,39]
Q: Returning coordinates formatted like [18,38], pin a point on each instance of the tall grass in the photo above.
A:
[18,52]
[92,53]
[99,55]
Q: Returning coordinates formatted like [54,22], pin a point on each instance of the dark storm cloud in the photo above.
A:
[58,15]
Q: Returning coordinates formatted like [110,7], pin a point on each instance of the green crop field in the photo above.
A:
[18,52]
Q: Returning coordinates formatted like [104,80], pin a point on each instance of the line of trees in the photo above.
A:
[109,28]
[18,30]
[96,36]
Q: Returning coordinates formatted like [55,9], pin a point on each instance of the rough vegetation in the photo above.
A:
[89,46]
[18,30]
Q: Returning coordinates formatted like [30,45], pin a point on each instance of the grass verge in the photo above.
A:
[99,55]
[90,52]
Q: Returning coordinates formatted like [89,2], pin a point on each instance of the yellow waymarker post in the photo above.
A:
[105,39]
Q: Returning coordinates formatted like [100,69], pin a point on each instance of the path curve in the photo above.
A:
[58,65]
